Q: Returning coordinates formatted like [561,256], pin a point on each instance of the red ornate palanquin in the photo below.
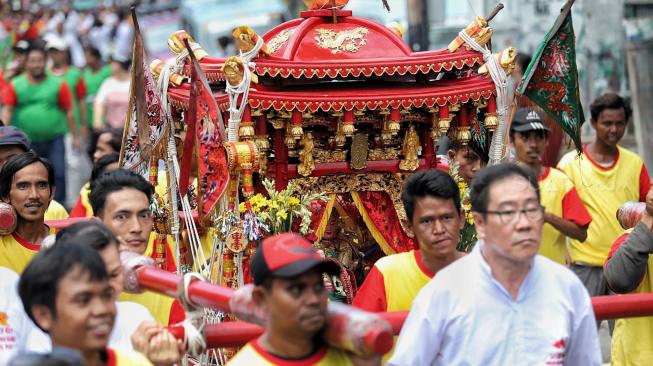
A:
[345,107]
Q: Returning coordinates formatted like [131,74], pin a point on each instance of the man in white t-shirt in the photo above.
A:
[129,315]
[502,304]
[15,326]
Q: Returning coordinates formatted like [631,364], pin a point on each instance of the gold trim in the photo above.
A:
[348,40]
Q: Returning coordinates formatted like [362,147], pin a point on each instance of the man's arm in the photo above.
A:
[7,114]
[9,101]
[371,294]
[628,262]
[566,227]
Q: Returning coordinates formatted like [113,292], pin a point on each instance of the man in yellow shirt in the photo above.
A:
[13,141]
[287,272]
[606,176]
[629,269]
[564,215]
[27,184]
[432,202]
[121,200]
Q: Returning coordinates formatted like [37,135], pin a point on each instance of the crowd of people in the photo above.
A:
[65,79]
[546,238]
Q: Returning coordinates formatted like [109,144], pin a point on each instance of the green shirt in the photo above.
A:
[93,81]
[37,111]
[72,77]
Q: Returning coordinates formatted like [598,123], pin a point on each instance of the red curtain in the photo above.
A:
[381,219]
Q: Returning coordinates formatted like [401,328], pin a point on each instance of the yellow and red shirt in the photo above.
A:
[126,358]
[254,354]
[603,190]
[393,283]
[55,212]
[559,197]
[16,252]
[632,338]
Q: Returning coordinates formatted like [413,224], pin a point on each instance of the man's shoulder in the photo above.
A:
[133,311]
[554,272]
[394,260]
[456,277]
[568,158]
[627,155]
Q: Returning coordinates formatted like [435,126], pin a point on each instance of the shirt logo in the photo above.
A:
[4,319]
[557,356]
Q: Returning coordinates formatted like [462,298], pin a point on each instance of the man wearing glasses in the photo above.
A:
[502,304]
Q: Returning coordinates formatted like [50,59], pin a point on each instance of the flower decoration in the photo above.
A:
[280,209]
[468,233]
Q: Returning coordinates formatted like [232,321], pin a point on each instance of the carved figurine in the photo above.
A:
[177,46]
[507,59]
[410,148]
[156,66]
[477,30]
[234,71]
[246,38]
[307,165]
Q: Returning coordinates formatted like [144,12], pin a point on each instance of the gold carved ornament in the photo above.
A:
[376,182]
[359,150]
[410,148]
[306,165]
[348,40]
[279,40]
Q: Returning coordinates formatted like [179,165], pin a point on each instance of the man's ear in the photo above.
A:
[259,296]
[52,190]
[479,224]
[43,317]
[451,154]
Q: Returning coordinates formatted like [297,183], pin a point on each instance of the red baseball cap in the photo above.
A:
[287,255]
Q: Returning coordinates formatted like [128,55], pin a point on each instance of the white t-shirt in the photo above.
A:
[129,315]
[463,316]
[114,95]
[15,325]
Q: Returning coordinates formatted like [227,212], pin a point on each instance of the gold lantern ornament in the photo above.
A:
[243,157]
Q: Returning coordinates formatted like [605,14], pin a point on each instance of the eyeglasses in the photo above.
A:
[508,217]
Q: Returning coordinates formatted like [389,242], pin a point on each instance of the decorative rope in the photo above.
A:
[499,78]
[235,91]
[195,321]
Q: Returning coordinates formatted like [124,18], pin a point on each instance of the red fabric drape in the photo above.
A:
[382,213]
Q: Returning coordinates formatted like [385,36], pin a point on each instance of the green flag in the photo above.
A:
[551,79]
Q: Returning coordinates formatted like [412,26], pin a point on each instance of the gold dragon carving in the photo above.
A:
[348,40]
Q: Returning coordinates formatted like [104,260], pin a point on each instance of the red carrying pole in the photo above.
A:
[235,334]
[199,293]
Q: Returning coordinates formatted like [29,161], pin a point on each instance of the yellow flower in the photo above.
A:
[282,214]
[273,205]
[293,201]
[242,208]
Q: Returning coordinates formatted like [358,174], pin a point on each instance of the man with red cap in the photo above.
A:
[287,273]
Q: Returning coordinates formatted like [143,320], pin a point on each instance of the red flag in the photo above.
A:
[205,125]
[145,122]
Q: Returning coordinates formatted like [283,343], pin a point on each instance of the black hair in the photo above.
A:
[609,101]
[18,162]
[116,137]
[35,47]
[90,233]
[94,51]
[483,181]
[114,181]
[473,146]
[102,163]
[39,283]
[434,183]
